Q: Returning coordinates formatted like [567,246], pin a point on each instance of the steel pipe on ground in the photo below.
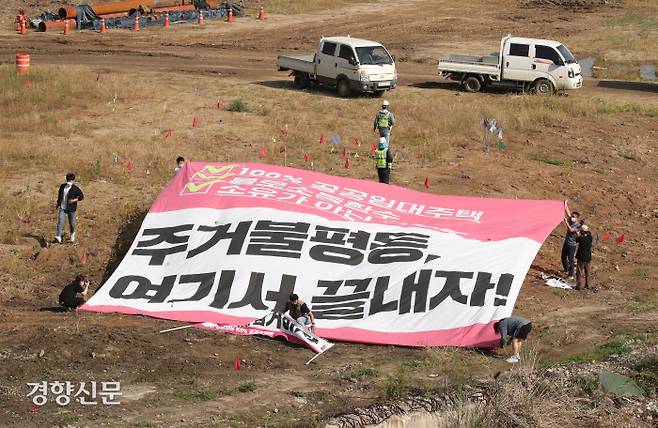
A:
[55,25]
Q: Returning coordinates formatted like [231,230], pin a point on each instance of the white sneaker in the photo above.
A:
[513,359]
[73,237]
[58,239]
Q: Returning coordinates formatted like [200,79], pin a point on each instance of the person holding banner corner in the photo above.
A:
[300,312]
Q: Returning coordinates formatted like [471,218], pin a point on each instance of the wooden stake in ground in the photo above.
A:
[177,328]
[315,356]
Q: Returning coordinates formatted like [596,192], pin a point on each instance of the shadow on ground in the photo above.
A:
[329,91]
[629,86]
[123,242]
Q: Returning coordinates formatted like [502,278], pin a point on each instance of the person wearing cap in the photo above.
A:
[583,256]
[384,121]
[572,221]
[383,161]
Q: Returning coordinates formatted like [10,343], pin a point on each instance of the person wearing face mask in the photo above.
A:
[67,203]
[573,222]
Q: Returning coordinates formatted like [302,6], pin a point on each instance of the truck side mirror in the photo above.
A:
[393,58]
[352,61]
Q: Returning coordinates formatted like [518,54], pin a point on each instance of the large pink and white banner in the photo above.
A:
[227,243]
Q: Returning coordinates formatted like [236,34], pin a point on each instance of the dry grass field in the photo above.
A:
[94,103]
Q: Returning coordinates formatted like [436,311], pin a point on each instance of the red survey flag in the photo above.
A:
[427,183]
[620,239]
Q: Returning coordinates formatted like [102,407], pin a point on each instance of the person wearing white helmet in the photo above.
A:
[383,161]
[384,121]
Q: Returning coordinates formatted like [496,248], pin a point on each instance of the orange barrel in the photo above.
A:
[22,63]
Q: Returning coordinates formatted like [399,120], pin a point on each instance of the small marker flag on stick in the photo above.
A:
[195,122]
[607,236]
[620,239]
[347,163]
[307,157]
[344,152]
[427,183]
[130,166]
[321,138]
[237,363]
[262,153]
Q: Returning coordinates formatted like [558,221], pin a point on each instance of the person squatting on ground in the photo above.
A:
[300,312]
[573,222]
[384,121]
[583,256]
[383,161]
[514,329]
[180,162]
[68,197]
[69,299]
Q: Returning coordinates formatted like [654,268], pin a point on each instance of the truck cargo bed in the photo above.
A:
[296,62]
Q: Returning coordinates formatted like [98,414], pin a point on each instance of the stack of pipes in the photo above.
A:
[121,9]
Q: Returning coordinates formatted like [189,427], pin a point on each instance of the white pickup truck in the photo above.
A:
[349,64]
[541,66]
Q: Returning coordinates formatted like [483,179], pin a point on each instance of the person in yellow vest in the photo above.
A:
[384,121]
[383,161]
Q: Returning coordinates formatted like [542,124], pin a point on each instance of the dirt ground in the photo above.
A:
[595,147]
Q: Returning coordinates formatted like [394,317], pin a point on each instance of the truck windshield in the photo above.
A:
[568,58]
[373,55]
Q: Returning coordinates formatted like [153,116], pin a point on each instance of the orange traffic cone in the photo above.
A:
[200,17]
[103,29]
[166,22]
[229,18]
[261,14]
[23,27]
[136,23]
[66,27]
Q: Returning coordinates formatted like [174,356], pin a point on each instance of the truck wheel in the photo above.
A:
[543,87]
[472,84]
[301,81]
[343,88]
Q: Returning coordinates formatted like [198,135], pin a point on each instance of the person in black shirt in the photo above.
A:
[68,197]
[69,295]
[583,256]
[299,311]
